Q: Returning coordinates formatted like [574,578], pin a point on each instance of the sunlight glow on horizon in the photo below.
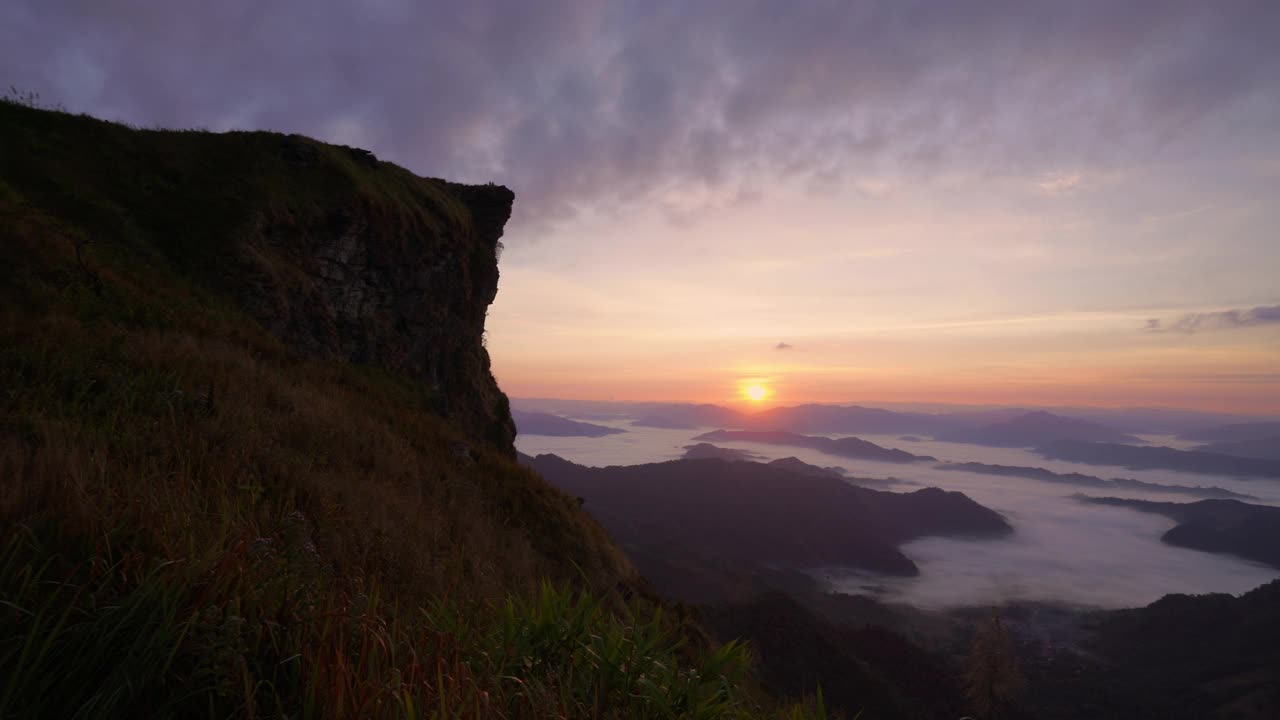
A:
[755,393]
[856,205]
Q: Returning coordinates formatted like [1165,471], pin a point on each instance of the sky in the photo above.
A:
[987,202]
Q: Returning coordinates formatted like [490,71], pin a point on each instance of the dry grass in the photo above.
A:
[195,521]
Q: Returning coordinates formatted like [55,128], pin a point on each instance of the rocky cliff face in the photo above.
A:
[336,253]
[404,291]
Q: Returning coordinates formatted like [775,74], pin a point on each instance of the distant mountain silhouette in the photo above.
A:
[1253,440]
[1220,526]
[537,423]
[1183,657]
[1265,448]
[1153,421]
[1234,432]
[864,670]
[1038,428]
[753,514]
[685,416]
[655,414]
[816,418]
[850,447]
[796,465]
[1145,458]
[858,419]
[702,451]
[1091,480]
[663,423]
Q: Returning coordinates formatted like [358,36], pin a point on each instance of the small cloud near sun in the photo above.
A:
[783,346]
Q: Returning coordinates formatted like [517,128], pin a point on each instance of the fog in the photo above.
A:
[1061,550]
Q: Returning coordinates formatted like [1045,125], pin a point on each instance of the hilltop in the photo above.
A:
[763,514]
[1038,428]
[256,463]
[850,447]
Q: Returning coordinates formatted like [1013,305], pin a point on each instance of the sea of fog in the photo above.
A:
[1061,550]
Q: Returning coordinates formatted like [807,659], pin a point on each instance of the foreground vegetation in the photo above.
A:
[198,521]
[166,645]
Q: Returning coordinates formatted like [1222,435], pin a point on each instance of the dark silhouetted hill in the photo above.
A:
[865,668]
[1263,448]
[796,465]
[703,451]
[1221,526]
[1183,657]
[815,418]
[850,447]
[1146,458]
[1233,432]
[756,514]
[1082,480]
[535,423]
[255,463]
[663,423]
[1038,428]
[1252,440]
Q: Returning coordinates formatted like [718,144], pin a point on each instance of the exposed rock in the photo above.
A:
[406,289]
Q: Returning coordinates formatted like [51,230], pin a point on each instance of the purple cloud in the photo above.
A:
[1226,320]
[583,105]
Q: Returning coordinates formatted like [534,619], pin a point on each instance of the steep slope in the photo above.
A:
[255,464]
[335,253]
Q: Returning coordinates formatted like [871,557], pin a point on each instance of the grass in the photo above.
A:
[198,521]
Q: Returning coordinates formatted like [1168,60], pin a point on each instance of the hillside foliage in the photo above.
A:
[196,520]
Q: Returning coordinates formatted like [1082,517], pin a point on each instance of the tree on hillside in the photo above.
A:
[992,677]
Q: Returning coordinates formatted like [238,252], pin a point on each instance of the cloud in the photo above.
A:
[584,106]
[1061,183]
[783,346]
[1225,320]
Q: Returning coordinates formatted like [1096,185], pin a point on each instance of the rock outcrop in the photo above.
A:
[405,291]
[334,252]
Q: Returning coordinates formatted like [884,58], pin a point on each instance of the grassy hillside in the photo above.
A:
[201,519]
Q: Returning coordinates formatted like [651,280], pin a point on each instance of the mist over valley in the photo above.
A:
[1059,551]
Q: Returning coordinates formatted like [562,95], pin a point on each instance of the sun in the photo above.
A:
[755,393]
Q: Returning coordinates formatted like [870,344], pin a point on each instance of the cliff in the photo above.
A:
[337,254]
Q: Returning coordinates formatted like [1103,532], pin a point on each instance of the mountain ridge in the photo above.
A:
[1037,428]
[850,447]
[257,464]
[761,514]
